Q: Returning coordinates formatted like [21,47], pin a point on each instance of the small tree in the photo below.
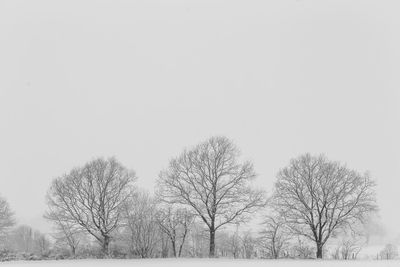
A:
[274,236]
[222,241]
[164,245]
[23,239]
[67,233]
[140,216]
[6,217]
[389,252]
[197,240]
[92,197]
[211,181]
[302,249]
[41,243]
[248,244]
[318,197]
[349,249]
[175,224]
[235,243]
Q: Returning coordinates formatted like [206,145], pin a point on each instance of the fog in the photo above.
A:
[142,80]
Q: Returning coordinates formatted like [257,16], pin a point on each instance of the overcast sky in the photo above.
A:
[141,80]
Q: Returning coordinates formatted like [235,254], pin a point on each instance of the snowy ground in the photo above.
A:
[202,263]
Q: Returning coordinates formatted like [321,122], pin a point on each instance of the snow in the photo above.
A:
[202,263]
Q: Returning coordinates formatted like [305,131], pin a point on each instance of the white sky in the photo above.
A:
[141,80]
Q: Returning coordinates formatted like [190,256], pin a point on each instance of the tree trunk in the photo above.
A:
[173,248]
[105,247]
[319,250]
[212,243]
[73,251]
[183,241]
[164,247]
[275,254]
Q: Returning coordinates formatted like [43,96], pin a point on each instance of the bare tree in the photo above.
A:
[176,224]
[41,243]
[67,232]
[248,244]
[317,197]
[198,239]
[140,217]
[274,236]
[6,217]
[210,180]
[301,249]
[222,241]
[335,254]
[349,248]
[389,252]
[27,240]
[92,197]
[235,243]
[23,239]
[164,245]
[352,240]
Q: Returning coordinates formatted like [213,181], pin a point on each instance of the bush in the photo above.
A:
[7,255]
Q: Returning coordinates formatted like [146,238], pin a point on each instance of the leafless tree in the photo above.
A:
[318,196]
[248,244]
[27,240]
[352,240]
[176,224]
[92,197]
[389,252]
[274,236]
[210,180]
[23,239]
[197,241]
[235,243]
[222,241]
[41,243]
[302,249]
[140,215]
[335,254]
[67,232]
[349,249]
[6,217]
[164,245]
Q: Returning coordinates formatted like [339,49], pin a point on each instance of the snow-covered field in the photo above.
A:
[202,263]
